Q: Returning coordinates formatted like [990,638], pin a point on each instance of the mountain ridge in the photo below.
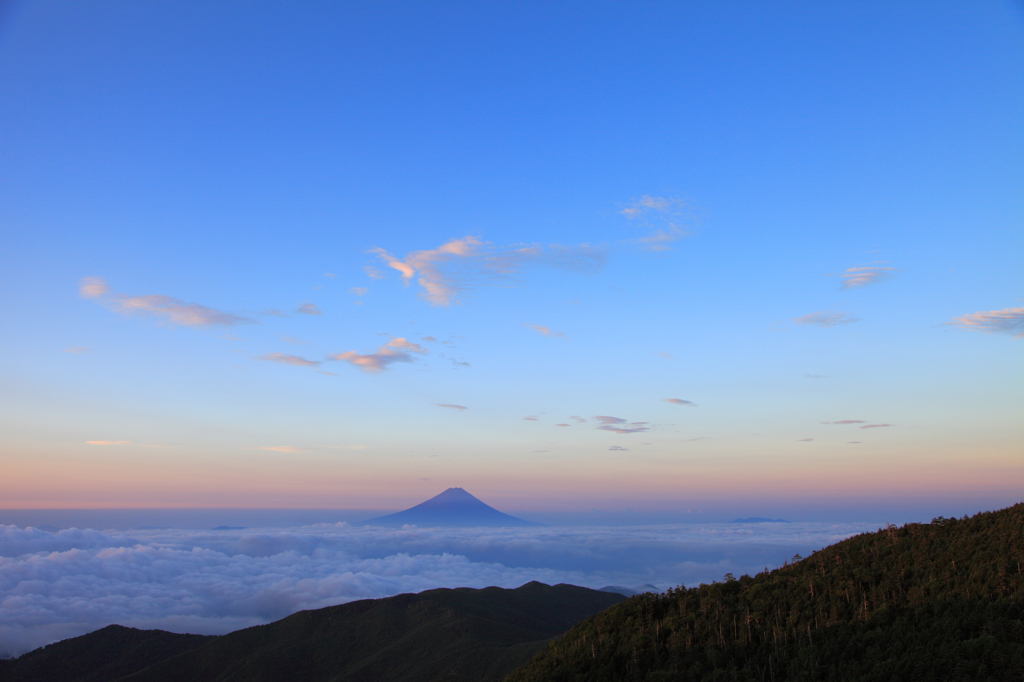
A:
[943,600]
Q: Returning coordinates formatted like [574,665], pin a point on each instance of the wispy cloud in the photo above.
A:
[372,272]
[358,291]
[92,287]
[847,421]
[865,274]
[824,319]
[666,218]
[279,448]
[456,266]
[169,310]
[395,350]
[618,448]
[1005,321]
[805,440]
[621,426]
[308,309]
[330,274]
[452,407]
[531,419]
[286,359]
[77,349]
[107,442]
[875,426]
[680,401]
[578,420]
[544,331]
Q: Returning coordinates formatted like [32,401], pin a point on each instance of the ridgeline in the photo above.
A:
[938,601]
[438,635]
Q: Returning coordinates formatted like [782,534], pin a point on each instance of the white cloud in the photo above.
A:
[453,268]
[92,287]
[680,401]
[666,218]
[824,319]
[864,275]
[67,583]
[544,331]
[395,350]
[169,310]
[1005,321]
[620,426]
[286,359]
[358,291]
[308,309]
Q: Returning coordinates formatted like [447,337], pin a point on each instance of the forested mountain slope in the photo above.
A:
[939,601]
[443,634]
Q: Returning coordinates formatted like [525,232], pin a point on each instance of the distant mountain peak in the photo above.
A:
[454,507]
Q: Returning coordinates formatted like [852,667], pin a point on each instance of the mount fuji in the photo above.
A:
[452,508]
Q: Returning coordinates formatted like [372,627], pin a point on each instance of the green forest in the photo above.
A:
[938,601]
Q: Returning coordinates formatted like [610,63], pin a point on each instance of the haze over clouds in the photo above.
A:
[67,583]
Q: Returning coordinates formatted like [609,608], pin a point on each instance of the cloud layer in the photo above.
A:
[67,583]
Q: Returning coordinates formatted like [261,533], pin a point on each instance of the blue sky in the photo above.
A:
[783,214]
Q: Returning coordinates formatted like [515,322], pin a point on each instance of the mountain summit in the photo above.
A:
[453,508]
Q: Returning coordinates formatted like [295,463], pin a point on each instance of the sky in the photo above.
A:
[688,258]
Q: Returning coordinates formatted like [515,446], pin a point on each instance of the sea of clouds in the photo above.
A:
[60,584]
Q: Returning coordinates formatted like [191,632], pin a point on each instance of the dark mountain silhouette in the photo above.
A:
[939,601]
[452,508]
[438,635]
